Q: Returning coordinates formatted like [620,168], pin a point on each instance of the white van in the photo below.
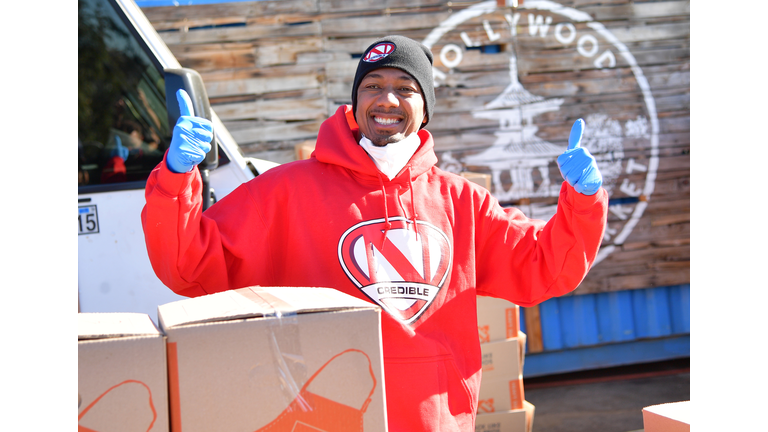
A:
[126,76]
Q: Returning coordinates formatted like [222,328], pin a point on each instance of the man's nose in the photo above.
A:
[388,98]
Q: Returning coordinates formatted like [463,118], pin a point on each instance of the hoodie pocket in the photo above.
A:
[427,394]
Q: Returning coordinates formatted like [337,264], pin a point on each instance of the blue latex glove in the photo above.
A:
[191,137]
[119,150]
[578,166]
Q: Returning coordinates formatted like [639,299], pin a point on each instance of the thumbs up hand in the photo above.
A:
[191,137]
[578,166]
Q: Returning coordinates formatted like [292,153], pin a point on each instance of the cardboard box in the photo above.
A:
[668,417]
[304,149]
[504,358]
[122,373]
[501,395]
[483,180]
[259,358]
[501,387]
[497,319]
[520,420]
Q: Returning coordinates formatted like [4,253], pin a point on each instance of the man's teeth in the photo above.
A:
[385,121]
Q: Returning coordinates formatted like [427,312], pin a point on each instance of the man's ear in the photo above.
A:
[425,120]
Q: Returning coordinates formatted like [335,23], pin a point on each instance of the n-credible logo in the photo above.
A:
[379,52]
[401,269]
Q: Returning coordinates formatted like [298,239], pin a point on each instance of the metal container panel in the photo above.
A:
[626,318]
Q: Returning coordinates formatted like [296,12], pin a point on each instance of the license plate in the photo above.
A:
[88,220]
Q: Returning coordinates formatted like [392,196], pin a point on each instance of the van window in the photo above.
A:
[123,127]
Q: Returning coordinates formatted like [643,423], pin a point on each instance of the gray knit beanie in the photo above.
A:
[401,53]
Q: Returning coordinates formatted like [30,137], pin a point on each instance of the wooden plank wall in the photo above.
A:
[274,70]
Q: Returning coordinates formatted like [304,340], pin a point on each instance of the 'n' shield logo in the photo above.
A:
[379,52]
[402,272]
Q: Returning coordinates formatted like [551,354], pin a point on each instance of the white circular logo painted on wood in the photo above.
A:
[522,159]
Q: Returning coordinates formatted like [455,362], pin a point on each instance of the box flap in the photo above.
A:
[254,302]
[114,324]
[677,411]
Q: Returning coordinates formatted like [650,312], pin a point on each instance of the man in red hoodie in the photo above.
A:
[371,215]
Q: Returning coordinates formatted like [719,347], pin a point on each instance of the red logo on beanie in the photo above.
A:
[379,52]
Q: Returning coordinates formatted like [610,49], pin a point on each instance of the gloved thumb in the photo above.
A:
[577,130]
[185,103]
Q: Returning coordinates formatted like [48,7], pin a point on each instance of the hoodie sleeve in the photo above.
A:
[196,253]
[528,261]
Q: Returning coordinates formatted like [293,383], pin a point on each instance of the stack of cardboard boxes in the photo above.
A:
[502,406]
[252,359]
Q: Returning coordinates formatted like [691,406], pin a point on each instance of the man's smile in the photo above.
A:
[385,121]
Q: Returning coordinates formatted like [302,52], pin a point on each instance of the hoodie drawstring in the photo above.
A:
[387,224]
[413,201]
[413,205]
[414,215]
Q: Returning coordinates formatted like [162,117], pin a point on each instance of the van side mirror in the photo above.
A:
[192,82]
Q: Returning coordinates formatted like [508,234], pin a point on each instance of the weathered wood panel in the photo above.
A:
[510,82]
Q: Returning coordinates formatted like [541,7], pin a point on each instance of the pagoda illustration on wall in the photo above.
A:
[517,149]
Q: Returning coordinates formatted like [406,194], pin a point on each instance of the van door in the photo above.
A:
[123,133]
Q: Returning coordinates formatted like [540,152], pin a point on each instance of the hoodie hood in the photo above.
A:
[337,145]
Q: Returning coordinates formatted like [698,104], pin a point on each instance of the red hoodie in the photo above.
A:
[421,246]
